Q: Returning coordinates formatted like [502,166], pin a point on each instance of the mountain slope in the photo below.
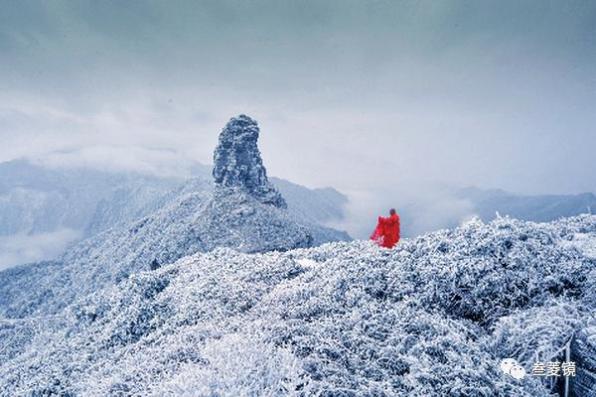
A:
[43,210]
[431,318]
[316,205]
[194,221]
[36,199]
[238,214]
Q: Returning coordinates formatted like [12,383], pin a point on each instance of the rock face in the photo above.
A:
[238,164]
[245,212]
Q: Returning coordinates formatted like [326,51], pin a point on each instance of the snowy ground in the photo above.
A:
[584,242]
[431,318]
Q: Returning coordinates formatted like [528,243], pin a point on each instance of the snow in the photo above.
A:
[197,221]
[35,199]
[242,211]
[307,263]
[221,291]
[582,242]
[237,162]
[44,210]
[435,316]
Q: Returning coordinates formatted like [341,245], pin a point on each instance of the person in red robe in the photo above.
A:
[387,232]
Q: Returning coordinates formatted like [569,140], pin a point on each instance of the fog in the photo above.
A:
[387,101]
[28,248]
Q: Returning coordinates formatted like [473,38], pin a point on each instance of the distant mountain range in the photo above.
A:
[43,209]
[538,208]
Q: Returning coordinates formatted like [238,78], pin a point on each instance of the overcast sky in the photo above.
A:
[353,94]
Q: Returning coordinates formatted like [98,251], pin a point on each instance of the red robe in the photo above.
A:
[387,232]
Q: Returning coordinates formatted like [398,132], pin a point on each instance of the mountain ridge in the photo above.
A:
[116,202]
[340,319]
[246,213]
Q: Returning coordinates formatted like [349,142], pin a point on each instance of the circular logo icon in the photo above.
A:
[511,367]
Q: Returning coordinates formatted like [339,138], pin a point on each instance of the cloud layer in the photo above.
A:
[383,97]
[28,248]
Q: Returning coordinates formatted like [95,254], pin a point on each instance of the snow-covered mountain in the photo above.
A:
[238,214]
[432,317]
[237,162]
[36,199]
[44,209]
[447,206]
[538,208]
[317,205]
[222,292]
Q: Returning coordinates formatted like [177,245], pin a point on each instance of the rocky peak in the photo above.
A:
[237,161]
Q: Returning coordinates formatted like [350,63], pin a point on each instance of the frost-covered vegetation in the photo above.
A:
[221,293]
[197,221]
[432,317]
[44,209]
[242,210]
